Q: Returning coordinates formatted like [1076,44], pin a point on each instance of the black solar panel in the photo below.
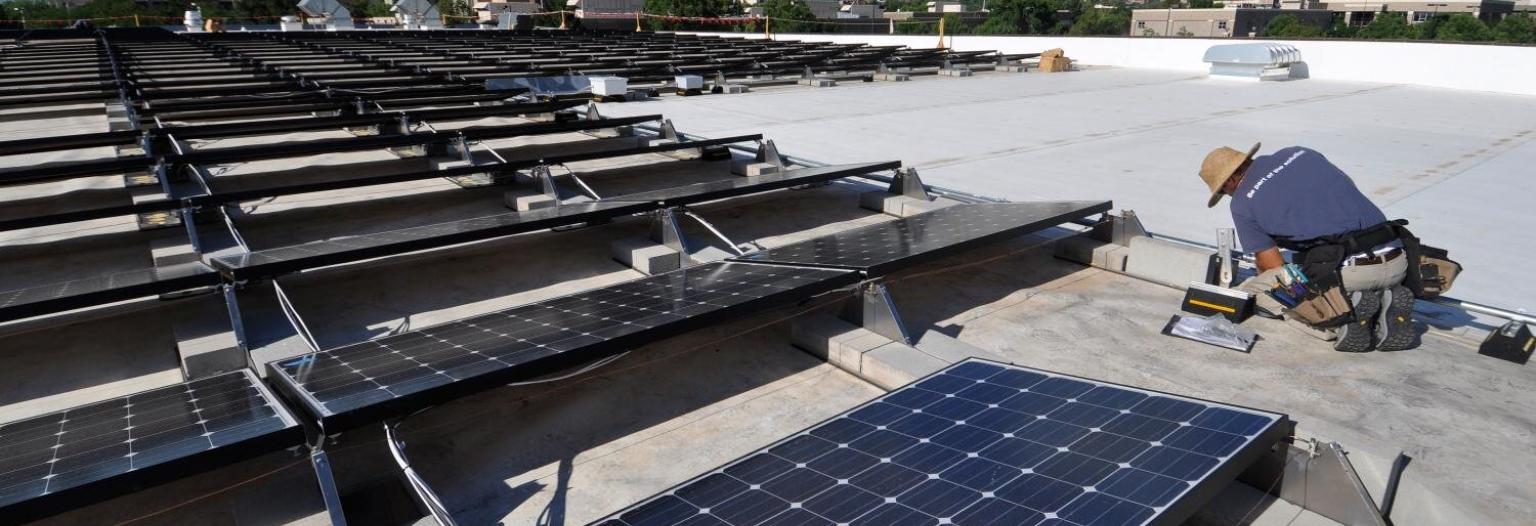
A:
[700,192]
[67,459]
[57,297]
[280,260]
[885,247]
[365,381]
[984,443]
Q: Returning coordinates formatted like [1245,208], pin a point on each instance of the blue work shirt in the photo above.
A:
[1296,193]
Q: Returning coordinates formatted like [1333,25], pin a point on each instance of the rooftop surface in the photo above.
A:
[1449,161]
[568,452]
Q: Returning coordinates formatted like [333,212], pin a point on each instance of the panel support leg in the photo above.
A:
[873,308]
[424,496]
[328,492]
[665,229]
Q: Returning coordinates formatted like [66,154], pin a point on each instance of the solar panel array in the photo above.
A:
[303,66]
[105,288]
[96,450]
[880,248]
[278,260]
[982,443]
[359,382]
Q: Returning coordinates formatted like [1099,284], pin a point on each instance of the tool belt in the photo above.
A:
[1320,302]
[1430,270]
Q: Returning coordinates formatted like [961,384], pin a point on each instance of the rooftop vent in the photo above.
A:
[1255,61]
[336,16]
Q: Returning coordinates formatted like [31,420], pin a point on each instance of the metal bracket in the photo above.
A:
[1224,251]
[666,230]
[592,114]
[460,146]
[906,183]
[1318,477]
[1119,229]
[545,181]
[768,153]
[872,308]
[667,131]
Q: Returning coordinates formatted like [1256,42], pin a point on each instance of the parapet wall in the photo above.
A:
[1503,69]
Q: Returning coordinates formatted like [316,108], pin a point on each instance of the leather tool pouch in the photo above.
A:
[1326,303]
[1436,272]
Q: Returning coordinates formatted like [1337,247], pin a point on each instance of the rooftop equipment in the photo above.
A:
[418,14]
[336,16]
[1255,61]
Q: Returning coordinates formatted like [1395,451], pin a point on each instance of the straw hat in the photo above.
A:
[1220,165]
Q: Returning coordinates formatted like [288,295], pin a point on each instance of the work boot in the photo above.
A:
[1360,335]
[1394,327]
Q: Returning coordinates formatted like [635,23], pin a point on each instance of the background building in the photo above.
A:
[1220,22]
[1363,12]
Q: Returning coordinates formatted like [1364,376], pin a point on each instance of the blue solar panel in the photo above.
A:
[983,443]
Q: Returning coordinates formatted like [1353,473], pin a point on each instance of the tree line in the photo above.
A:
[1002,17]
[1519,28]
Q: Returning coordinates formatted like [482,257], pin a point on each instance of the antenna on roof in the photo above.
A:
[418,14]
[336,16]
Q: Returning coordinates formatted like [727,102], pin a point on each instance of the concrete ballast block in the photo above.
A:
[1092,252]
[893,365]
[1166,262]
[753,168]
[523,202]
[882,201]
[645,255]
[817,83]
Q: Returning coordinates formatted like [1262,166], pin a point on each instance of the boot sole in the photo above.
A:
[1359,335]
[1396,321]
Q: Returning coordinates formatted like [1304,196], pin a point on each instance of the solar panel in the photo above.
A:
[106,288]
[882,248]
[93,452]
[984,443]
[360,383]
[356,248]
[700,192]
[280,260]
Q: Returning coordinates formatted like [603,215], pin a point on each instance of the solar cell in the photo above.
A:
[946,450]
[357,383]
[106,288]
[63,460]
[881,248]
